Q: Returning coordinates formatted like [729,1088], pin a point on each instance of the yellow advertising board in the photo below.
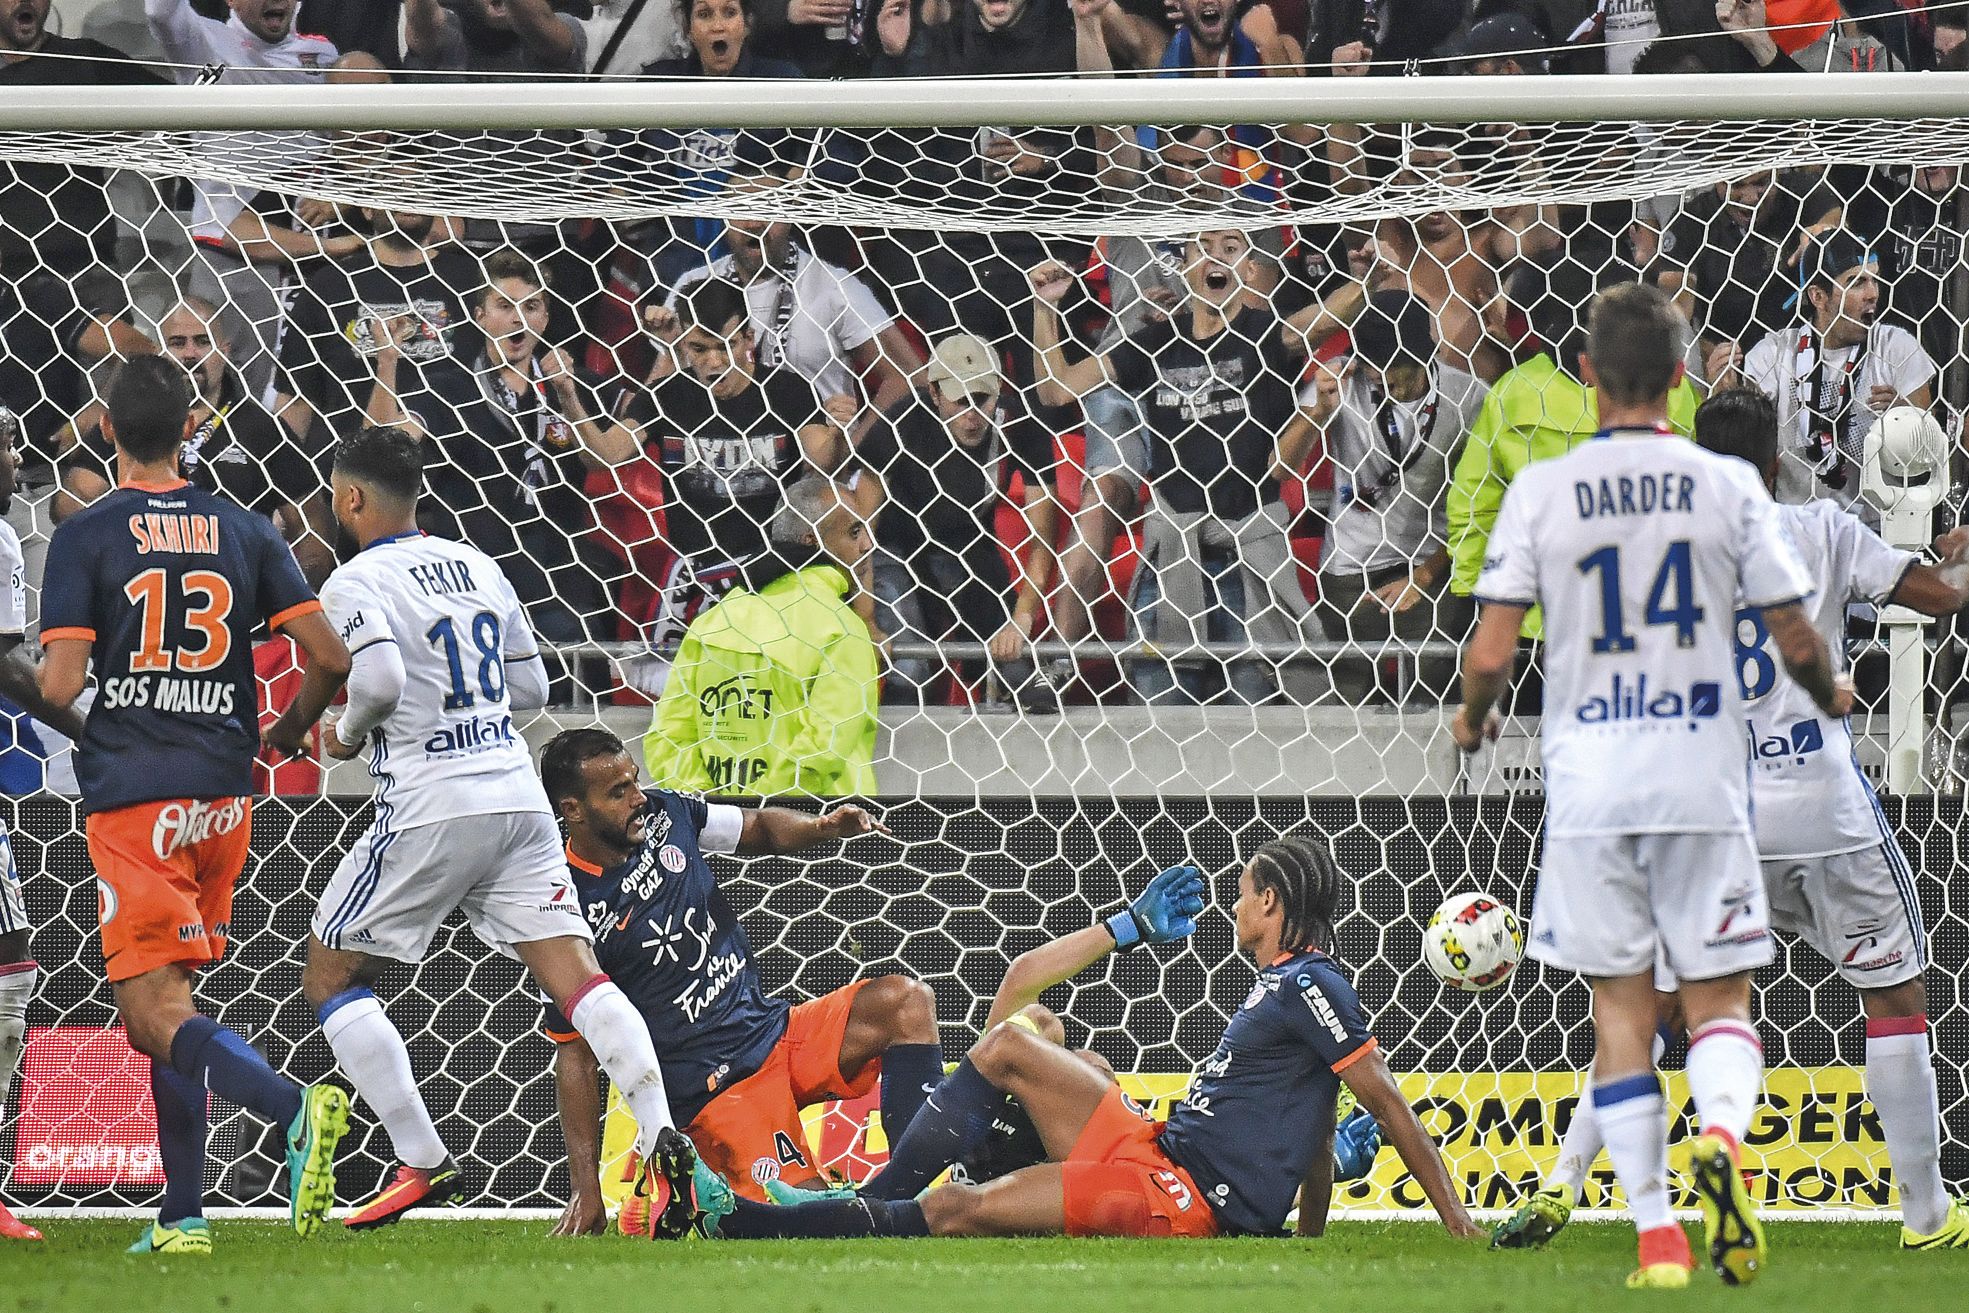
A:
[1815,1142]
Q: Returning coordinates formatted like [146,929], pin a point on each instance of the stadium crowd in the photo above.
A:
[1240,441]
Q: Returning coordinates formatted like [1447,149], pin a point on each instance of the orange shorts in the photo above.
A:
[165,873]
[751,1133]
[1119,1182]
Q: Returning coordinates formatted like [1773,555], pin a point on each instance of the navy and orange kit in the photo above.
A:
[739,1064]
[1240,1135]
[168,585]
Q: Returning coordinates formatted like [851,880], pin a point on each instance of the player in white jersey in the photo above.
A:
[442,655]
[1638,546]
[20,684]
[1833,873]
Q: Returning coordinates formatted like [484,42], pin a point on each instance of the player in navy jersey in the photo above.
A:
[739,1063]
[162,585]
[1252,1135]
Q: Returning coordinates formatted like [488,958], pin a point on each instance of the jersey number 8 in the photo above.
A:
[491,671]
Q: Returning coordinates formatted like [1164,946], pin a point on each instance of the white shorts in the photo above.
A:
[505,870]
[13,909]
[1604,902]
[1860,910]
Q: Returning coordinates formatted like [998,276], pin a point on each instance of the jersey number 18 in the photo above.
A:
[491,670]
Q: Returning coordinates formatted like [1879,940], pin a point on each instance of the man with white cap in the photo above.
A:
[947,461]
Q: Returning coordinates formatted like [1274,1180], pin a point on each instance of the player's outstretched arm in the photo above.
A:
[578,1098]
[20,683]
[1487,664]
[1369,1079]
[1806,659]
[325,672]
[781,830]
[1166,911]
[1316,1191]
[64,670]
[1942,588]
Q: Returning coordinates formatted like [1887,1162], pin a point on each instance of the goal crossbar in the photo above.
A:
[983,102]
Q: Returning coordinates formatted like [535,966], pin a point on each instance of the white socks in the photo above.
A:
[1900,1079]
[1582,1142]
[1580,1146]
[1634,1120]
[621,1043]
[17,982]
[1726,1075]
[372,1053]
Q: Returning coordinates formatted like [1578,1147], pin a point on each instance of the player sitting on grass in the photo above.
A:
[1834,874]
[740,1063]
[1014,1141]
[1230,1159]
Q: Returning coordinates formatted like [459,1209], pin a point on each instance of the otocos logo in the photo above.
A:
[180,825]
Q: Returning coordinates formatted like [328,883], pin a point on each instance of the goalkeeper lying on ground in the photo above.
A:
[1254,1128]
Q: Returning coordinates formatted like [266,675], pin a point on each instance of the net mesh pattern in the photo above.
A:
[1257,519]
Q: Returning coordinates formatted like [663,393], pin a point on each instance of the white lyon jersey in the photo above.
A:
[449,748]
[1639,546]
[13,583]
[1811,800]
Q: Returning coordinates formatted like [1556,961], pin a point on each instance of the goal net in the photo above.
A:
[1179,411]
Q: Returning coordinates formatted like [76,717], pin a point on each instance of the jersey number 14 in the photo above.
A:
[1671,598]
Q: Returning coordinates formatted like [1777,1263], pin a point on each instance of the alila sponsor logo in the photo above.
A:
[1630,700]
[182,824]
[476,734]
[1803,739]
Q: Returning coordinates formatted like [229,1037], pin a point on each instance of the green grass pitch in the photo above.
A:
[511,1267]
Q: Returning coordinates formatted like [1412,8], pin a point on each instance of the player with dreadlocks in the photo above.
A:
[1254,1131]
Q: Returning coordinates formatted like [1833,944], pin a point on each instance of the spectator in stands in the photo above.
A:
[1920,228]
[701,161]
[813,317]
[1214,385]
[968,280]
[1539,409]
[1391,419]
[1449,258]
[814,34]
[247,241]
[1214,38]
[626,35]
[1504,44]
[1180,166]
[946,463]
[237,447]
[55,218]
[1731,256]
[61,310]
[370,26]
[776,686]
[409,275]
[895,39]
[730,436]
[511,432]
[1835,371]
[521,37]
[1390,32]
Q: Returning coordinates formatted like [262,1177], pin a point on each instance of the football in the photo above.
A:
[1473,942]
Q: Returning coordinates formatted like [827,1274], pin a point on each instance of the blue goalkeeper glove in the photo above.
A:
[1355,1143]
[1166,911]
